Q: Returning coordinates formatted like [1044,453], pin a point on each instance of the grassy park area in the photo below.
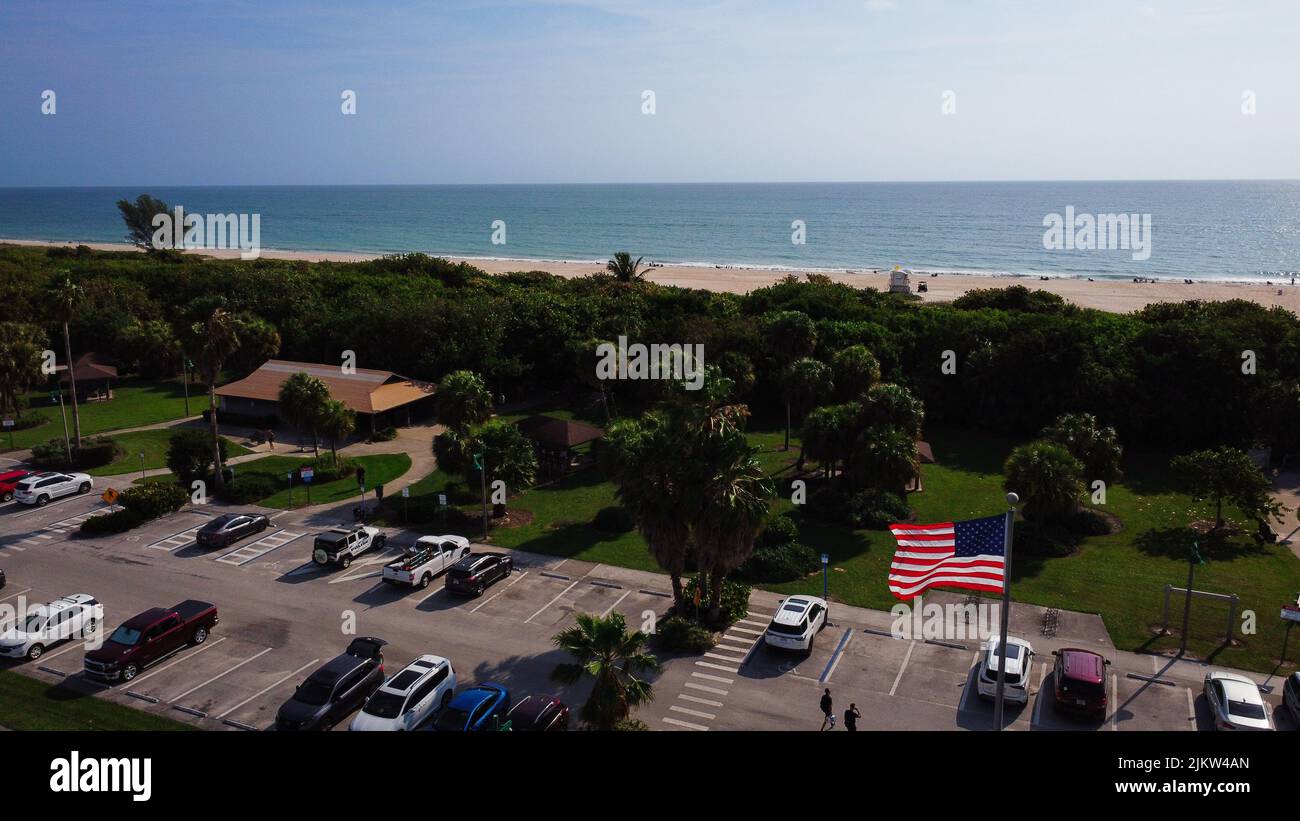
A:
[135,402]
[380,468]
[153,444]
[28,704]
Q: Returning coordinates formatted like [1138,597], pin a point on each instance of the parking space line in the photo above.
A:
[263,692]
[751,621]
[738,648]
[553,601]
[626,593]
[734,629]
[1191,709]
[241,556]
[1114,699]
[715,690]
[136,681]
[704,701]
[15,595]
[219,675]
[837,655]
[75,645]
[718,679]
[696,713]
[176,540]
[498,593]
[686,724]
[911,645]
[731,659]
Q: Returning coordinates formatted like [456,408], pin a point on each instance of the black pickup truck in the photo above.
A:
[149,638]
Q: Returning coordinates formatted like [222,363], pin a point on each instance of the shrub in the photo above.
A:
[877,509]
[94,452]
[734,605]
[153,499]
[780,563]
[677,634]
[119,521]
[828,505]
[387,434]
[250,487]
[779,530]
[613,520]
[1047,539]
[189,454]
[631,725]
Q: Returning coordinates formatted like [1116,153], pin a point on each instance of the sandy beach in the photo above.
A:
[1119,296]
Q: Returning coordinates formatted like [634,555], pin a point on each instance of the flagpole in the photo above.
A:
[1012,499]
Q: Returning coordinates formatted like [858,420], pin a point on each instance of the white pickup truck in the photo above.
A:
[341,545]
[429,556]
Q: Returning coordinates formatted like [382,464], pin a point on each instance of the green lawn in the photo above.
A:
[28,704]
[135,402]
[154,445]
[380,468]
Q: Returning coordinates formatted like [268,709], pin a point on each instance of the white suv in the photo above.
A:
[75,616]
[409,698]
[43,488]
[1015,685]
[796,624]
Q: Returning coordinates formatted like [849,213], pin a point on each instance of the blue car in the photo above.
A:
[481,707]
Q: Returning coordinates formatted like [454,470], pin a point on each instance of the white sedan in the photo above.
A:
[75,616]
[1236,703]
[1015,685]
[43,488]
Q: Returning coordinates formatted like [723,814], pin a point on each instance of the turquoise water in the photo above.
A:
[1199,230]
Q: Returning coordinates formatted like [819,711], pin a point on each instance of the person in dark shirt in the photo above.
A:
[828,710]
[851,717]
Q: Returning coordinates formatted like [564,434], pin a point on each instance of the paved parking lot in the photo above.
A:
[282,616]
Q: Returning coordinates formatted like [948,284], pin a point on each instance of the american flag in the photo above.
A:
[969,554]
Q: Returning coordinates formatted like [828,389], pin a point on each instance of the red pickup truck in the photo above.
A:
[149,638]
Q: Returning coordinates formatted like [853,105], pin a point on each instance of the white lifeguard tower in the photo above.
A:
[900,281]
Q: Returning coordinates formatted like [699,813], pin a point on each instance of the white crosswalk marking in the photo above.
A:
[250,552]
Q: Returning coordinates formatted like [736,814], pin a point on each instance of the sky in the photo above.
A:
[201,92]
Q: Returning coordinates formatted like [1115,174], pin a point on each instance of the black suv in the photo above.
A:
[229,528]
[475,572]
[336,690]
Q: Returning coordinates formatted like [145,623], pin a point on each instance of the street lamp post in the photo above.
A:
[141,455]
[1012,500]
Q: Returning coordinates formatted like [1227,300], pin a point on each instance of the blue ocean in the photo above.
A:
[1198,230]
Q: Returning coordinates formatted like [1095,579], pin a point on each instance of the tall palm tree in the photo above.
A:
[337,421]
[624,268]
[67,298]
[885,458]
[648,464]
[462,400]
[736,496]
[604,649]
[216,339]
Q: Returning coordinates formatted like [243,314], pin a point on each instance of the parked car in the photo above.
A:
[474,573]
[9,482]
[336,690]
[408,699]
[539,713]
[1019,659]
[1079,683]
[42,488]
[340,545]
[796,624]
[428,557]
[1236,703]
[75,616]
[3,580]
[1290,695]
[228,528]
[481,707]
[149,638]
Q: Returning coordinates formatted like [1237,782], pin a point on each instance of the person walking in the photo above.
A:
[828,710]
[851,717]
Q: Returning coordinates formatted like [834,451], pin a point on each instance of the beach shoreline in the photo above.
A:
[1112,295]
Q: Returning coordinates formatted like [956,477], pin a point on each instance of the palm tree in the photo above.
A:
[1047,478]
[337,421]
[623,268]
[885,458]
[804,381]
[217,339]
[303,399]
[736,495]
[67,298]
[462,400]
[647,462]
[604,649]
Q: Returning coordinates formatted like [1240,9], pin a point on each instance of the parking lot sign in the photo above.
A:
[109,496]
[307,474]
[406,493]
